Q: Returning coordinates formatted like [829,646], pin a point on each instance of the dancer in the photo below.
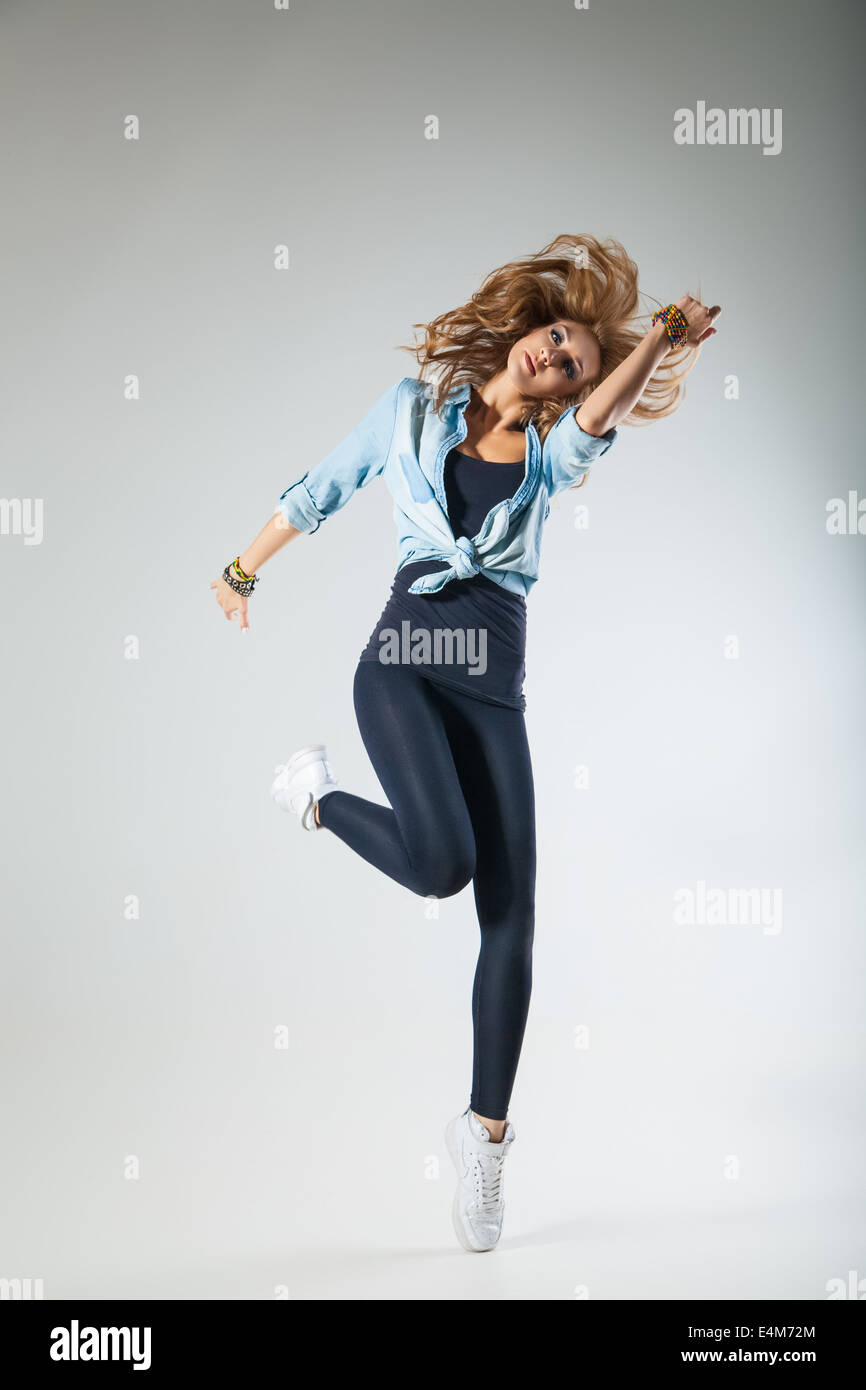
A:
[520,390]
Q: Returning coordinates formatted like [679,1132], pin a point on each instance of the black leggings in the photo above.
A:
[458,775]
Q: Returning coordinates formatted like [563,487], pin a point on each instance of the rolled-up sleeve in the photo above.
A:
[569,451]
[355,461]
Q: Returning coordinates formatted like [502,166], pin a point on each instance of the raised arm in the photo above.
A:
[619,393]
[582,435]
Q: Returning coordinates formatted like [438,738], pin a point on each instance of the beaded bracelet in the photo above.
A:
[675,322]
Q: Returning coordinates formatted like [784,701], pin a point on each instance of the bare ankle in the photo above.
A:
[495,1128]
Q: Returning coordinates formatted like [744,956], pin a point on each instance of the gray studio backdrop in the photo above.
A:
[229,1047]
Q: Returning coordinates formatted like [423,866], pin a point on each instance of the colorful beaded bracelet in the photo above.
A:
[236,566]
[675,322]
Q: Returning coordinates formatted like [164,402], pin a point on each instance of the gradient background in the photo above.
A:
[314,1167]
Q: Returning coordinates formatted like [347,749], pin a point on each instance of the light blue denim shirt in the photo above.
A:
[402,438]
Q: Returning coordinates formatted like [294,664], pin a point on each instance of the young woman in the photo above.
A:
[472,462]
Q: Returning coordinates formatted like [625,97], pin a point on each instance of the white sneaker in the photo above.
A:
[301,782]
[479,1204]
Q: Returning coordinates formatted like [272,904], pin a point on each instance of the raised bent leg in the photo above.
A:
[424,839]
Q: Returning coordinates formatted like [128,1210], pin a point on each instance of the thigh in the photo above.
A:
[494,767]
[403,729]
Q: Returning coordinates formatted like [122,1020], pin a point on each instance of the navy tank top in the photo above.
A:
[471,635]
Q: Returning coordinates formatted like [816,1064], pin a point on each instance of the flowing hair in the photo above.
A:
[573,277]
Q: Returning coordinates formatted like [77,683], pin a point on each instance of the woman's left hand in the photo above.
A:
[699,319]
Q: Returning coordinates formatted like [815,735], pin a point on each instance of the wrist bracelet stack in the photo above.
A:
[676,324]
[237,579]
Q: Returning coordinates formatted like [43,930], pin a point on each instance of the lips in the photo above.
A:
[529,364]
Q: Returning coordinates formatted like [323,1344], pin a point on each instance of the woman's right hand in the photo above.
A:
[698,318]
[233,605]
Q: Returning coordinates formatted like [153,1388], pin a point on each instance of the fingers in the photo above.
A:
[711,314]
[230,614]
[239,614]
[689,302]
[700,319]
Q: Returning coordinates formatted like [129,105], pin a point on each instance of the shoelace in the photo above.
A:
[487,1176]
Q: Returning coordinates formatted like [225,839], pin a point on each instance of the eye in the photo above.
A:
[569,367]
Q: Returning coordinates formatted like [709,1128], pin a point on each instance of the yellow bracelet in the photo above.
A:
[237,568]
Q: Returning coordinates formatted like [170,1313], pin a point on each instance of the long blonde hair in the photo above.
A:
[573,277]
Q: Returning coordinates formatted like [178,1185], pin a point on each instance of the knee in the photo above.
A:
[454,880]
[511,926]
[445,876]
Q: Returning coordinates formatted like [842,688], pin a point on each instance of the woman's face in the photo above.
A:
[556,360]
